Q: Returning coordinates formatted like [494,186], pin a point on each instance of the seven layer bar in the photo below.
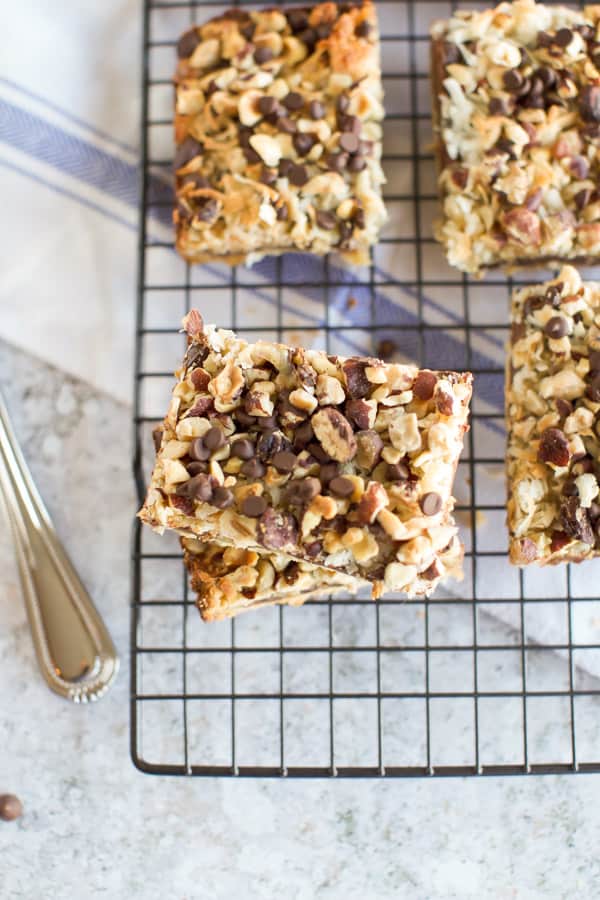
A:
[344,463]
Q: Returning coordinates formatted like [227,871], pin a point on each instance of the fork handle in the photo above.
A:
[73,647]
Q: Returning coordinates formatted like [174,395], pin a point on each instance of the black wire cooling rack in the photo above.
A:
[500,674]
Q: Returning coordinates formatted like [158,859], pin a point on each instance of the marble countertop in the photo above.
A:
[96,827]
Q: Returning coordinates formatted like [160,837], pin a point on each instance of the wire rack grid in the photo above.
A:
[497,675]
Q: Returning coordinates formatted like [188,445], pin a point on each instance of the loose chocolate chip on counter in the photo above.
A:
[267,105]
[253,468]
[593,389]
[293,101]
[298,175]
[254,506]
[589,103]
[284,461]
[424,385]
[199,451]
[554,447]
[11,807]
[430,504]
[512,80]
[579,167]
[563,407]
[286,125]
[556,327]
[349,141]
[187,43]
[242,449]
[563,37]
[186,151]
[363,29]
[214,438]
[222,497]
[263,55]
[316,109]
[399,472]
[326,220]
[341,486]
[303,142]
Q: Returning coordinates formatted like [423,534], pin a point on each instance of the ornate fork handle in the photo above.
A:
[73,647]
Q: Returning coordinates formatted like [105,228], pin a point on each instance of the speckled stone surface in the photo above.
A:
[95,827]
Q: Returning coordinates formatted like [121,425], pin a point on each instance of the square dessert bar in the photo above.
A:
[229,581]
[553,411]
[278,134]
[517,112]
[343,463]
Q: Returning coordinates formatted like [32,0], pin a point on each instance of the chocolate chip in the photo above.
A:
[326,220]
[316,109]
[512,80]
[242,449]
[253,468]
[556,327]
[430,504]
[399,472]
[293,101]
[304,142]
[214,438]
[337,162]
[594,359]
[251,155]
[286,125]
[341,486]
[281,212]
[363,29]
[308,37]
[285,167]
[300,492]
[267,105]
[317,451]
[277,529]
[284,461]
[222,497]
[576,521]
[357,163]
[186,151]
[263,55]
[498,107]
[563,37]
[554,447]
[244,419]
[187,43]
[254,506]
[589,103]
[303,435]
[579,167]
[200,487]
[582,198]
[424,385]
[593,389]
[248,30]
[10,807]
[268,176]
[197,468]
[313,549]
[266,423]
[323,31]
[208,210]
[359,412]
[298,175]
[349,141]
[563,407]
[297,19]
[547,76]
[329,471]
[198,451]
